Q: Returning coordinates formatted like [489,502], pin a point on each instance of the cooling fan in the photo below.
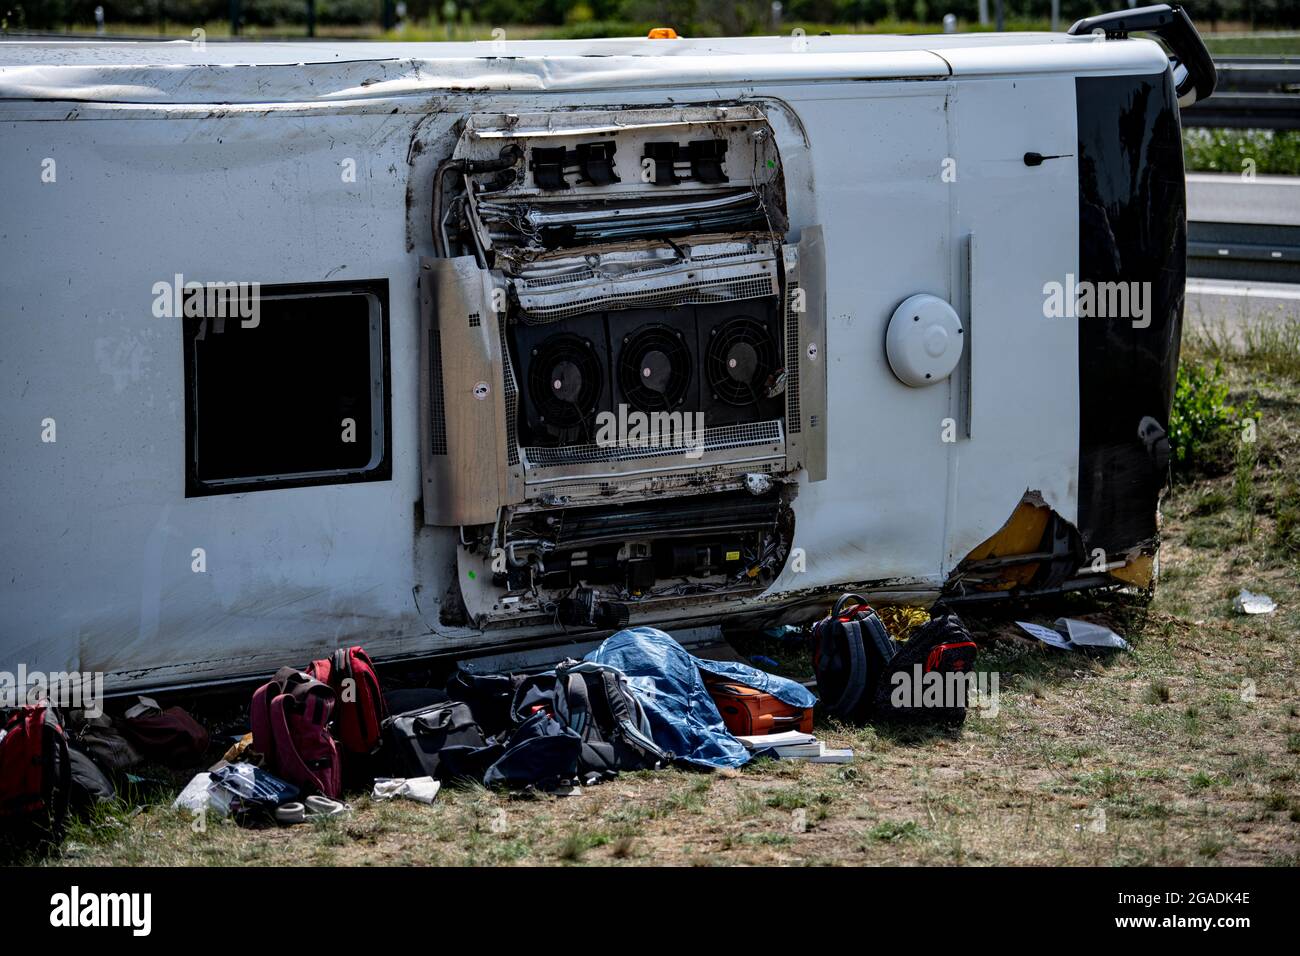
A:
[741,357]
[564,385]
[654,368]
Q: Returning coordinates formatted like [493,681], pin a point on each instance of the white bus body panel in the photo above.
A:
[229,172]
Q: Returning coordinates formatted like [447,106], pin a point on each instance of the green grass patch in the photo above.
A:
[891,831]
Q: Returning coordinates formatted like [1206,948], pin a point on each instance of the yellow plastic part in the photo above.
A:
[662,33]
[1137,572]
[1020,535]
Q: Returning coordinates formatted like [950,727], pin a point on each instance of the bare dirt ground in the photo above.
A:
[1184,751]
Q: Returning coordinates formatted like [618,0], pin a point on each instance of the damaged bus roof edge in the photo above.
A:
[172,74]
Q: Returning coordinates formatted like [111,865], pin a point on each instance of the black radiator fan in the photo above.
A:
[654,368]
[565,384]
[741,359]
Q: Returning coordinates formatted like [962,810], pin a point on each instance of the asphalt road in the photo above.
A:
[1220,197]
[1223,304]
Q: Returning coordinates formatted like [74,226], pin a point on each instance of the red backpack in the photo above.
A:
[361,708]
[290,717]
[35,773]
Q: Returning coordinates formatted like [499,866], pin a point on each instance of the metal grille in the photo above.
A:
[696,293]
[564,278]
[510,394]
[475,320]
[719,272]
[684,483]
[437,408]
[737,253]
[792,355]
[529,283]
[715,439]
[522,221]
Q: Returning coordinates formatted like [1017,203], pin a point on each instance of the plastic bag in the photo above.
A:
[252,787]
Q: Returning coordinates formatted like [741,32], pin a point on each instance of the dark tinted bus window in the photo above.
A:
[288,388]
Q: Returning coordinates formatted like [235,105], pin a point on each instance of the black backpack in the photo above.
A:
[596,702]
[489,696]
[856,662]
[541,752]
[943,646]
[851,653]
[89,785]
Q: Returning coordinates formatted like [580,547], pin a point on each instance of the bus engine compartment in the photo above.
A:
[621,362]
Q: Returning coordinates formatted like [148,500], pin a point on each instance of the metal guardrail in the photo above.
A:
[1254,92]
[1254,252]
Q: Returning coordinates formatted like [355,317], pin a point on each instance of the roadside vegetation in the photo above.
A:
[1266,152]
[1247,44]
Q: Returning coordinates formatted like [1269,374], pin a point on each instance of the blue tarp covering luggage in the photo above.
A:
[667,678]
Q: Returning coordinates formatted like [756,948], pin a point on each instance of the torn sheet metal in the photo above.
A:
[1036,548]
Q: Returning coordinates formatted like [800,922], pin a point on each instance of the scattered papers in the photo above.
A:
[1084,634]
[833,755]
[1046,635]
[799,751]
[789,738]
[251,788]
[796,745]
[1070,635]
[1247,602]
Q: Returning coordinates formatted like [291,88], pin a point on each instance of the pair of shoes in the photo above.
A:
[314,808]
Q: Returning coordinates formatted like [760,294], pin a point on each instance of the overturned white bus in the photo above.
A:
[455,347]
